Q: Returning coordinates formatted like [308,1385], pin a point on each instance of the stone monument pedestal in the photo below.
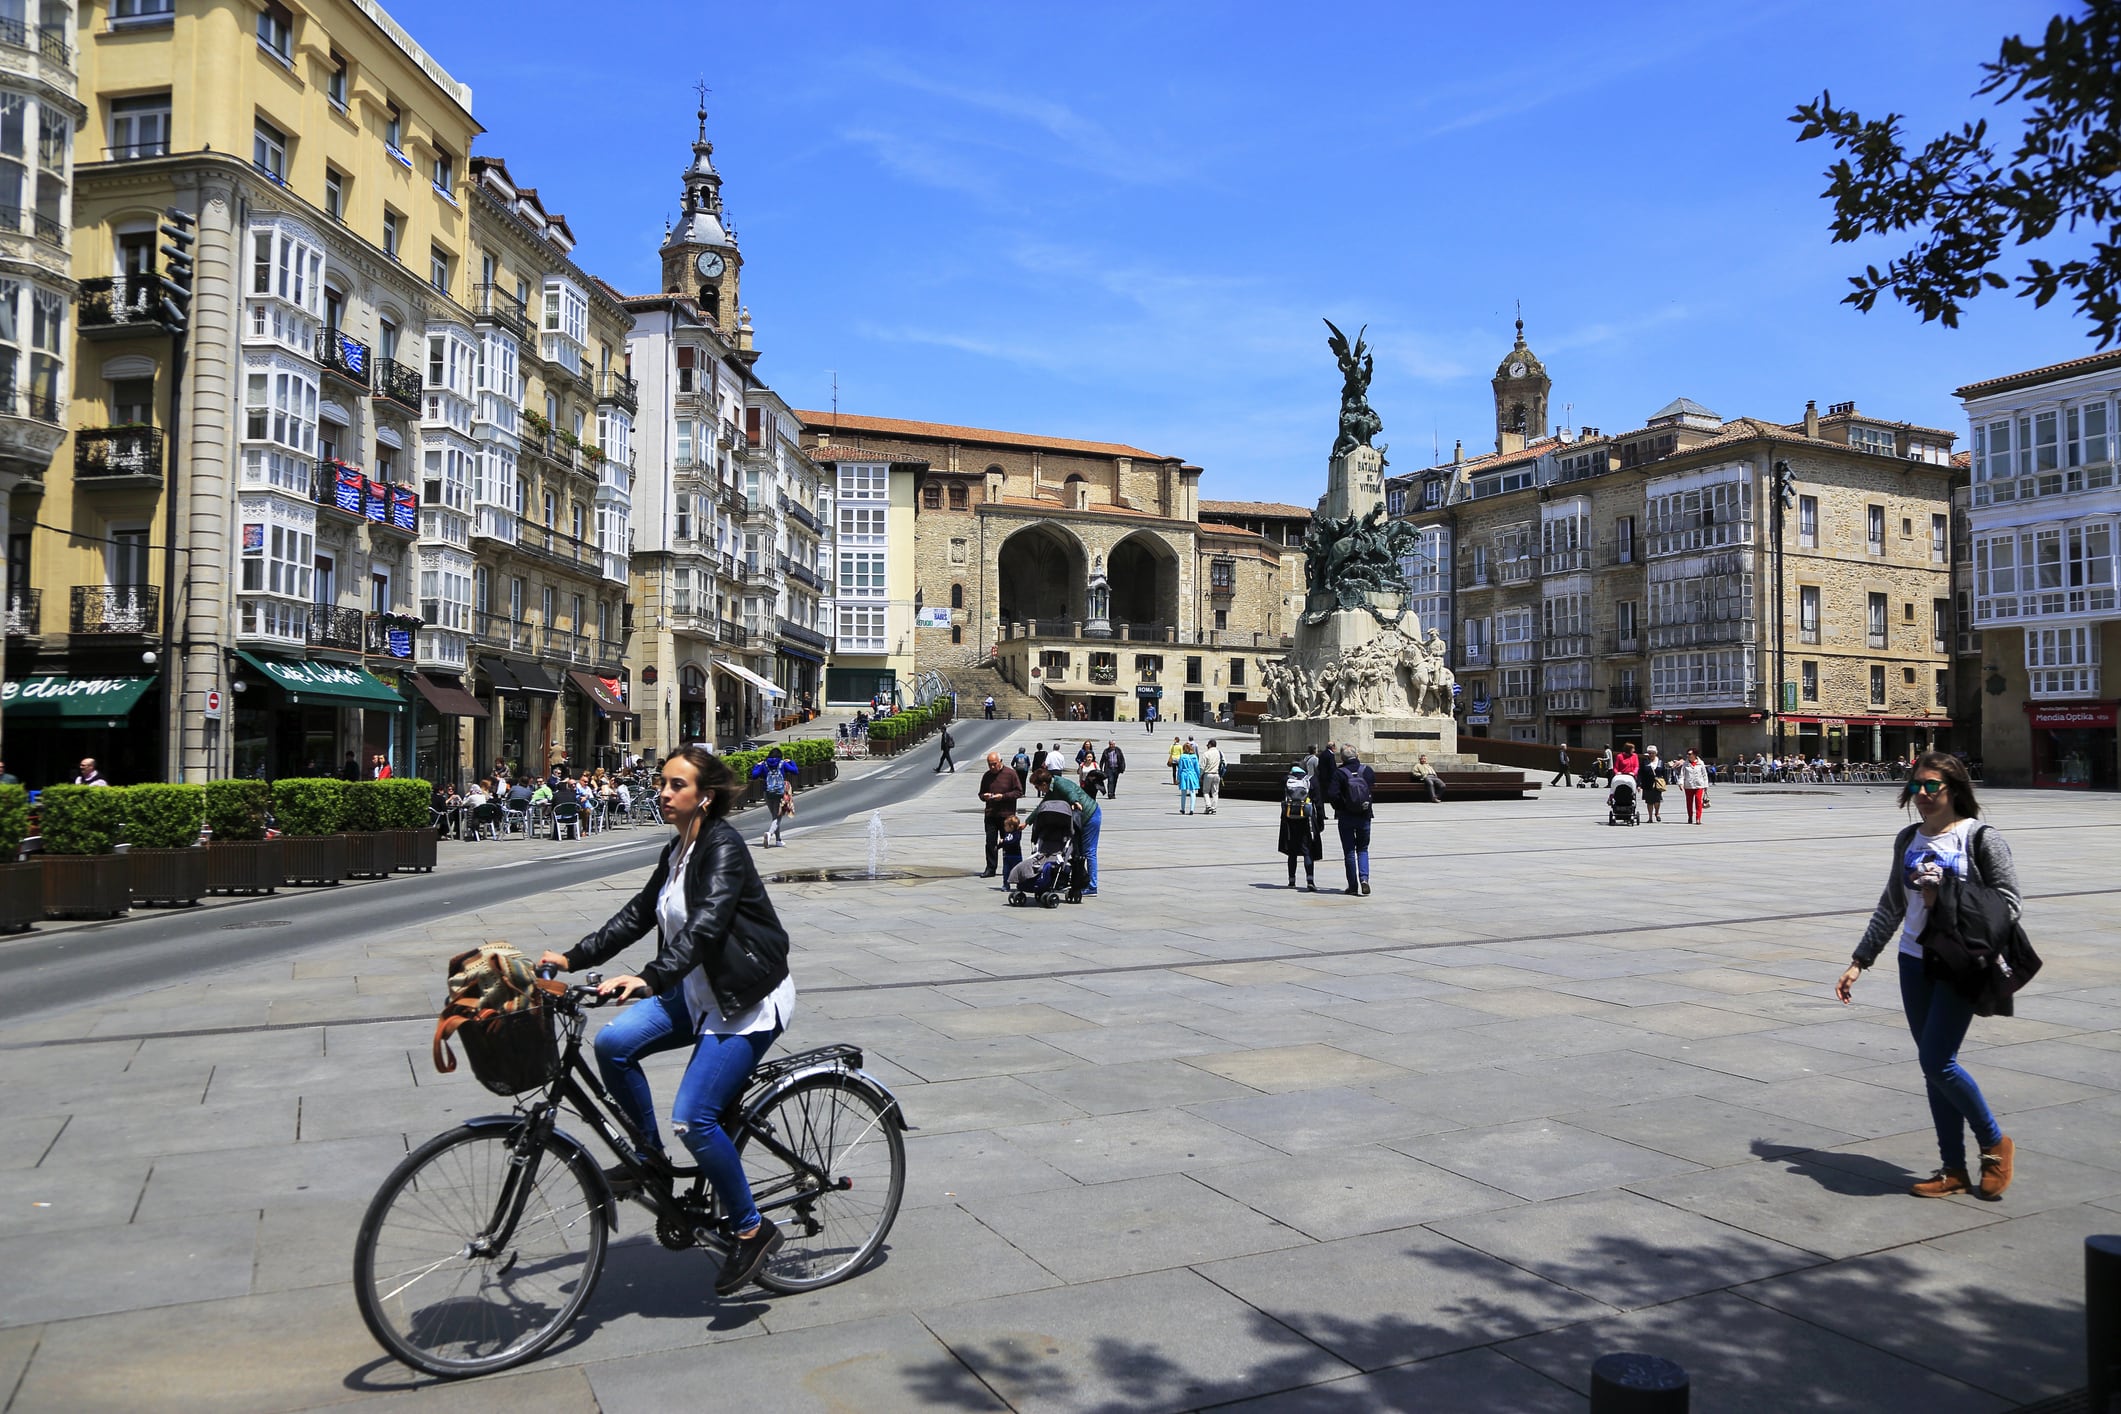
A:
[1382,742]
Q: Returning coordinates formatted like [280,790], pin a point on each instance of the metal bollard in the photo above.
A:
[1630,1382]
[2102,1321]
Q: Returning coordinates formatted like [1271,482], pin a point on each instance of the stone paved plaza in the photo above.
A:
[1555,1089]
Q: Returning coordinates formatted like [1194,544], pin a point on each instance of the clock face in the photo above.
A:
[710,264]
[1517,370]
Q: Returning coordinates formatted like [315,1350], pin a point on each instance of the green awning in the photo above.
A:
[319,684]
[72,702]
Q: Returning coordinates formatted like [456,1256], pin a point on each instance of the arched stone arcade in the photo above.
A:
[1042,573]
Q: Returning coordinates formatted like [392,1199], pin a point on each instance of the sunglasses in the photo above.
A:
[1924,787]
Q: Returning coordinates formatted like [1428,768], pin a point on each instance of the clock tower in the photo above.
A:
[1521,388]
[700,258]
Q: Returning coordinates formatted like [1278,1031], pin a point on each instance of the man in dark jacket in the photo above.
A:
[1114,763]
[999,790]
[1352,816]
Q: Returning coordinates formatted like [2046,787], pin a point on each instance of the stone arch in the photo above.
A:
[1144,573]
[1041,573]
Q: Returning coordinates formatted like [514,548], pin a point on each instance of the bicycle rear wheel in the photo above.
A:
[836,1204]
[437,1292]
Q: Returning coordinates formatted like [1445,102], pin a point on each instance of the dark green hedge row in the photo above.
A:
[92,819]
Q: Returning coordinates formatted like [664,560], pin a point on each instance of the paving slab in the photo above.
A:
[1708,1131]
[54,1276]
[1471,1379]
[1136,1225]
[1539,1158]
[1318,1119]
[1345,1192]
[1833,1210]
[1133,1145]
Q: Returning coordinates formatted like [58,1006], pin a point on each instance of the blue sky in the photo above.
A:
[1125,221]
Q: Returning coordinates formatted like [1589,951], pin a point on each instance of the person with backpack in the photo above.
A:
[1299,837]
[1948,839]
[776,778]
[949,741]
[1350,791]
[1021,764]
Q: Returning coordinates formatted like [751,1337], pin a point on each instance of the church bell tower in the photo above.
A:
[1521,389]
[700,256]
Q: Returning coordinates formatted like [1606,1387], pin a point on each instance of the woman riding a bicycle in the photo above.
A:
[719,983]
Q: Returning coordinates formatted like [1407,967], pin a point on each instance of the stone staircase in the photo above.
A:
[975,684]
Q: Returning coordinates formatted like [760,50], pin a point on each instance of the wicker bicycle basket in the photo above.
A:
[513,1051]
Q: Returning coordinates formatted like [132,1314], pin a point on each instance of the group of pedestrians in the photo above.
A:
[1002,788]
[1342,782]
[1198,774]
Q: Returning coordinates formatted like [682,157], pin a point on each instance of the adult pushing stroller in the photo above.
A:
[1049,863]
[1623,802]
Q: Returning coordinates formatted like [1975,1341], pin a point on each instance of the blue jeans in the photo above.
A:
[1938,1016]
[712,1082]
[1090,828]
[1355,847]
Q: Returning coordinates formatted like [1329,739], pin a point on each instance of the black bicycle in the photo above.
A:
[483,1245]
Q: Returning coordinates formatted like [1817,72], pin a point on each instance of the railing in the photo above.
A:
[1625,698]
[331,627]
[802,517]
[135,151]
[122,304]
[347,357]
[733,499]
[25,613]
[1622,643]
[808,637]
[1474,579]
[18,401]
[610,653]
[733,634]
[398,384]
[616,387]
[50,40]
[494,305]
[565,643]
[117,451]
[48,229]
[131,608]
[375,637]
[1874,639]
[543,540]
[1476,655]
[803,574]
[496,631]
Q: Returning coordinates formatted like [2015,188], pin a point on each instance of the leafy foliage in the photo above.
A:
[364,807]
[2066,171]
[81,819]
[403,804]
[237,810]
[14,821]
[309,805]
[809,755]
[164,816]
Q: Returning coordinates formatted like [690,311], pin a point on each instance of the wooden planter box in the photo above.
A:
[315,859]
[168,876]
[370,854]
[245,866]
[86,885]
[21,896]
[412,851]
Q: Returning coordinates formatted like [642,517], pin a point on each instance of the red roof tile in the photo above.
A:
[948,432]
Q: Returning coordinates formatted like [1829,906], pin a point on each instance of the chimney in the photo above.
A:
[1811,417]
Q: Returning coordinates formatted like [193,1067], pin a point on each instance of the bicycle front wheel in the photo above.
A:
[442,1288]
[838,1197]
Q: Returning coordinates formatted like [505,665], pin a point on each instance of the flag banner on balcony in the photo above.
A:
[346,488]
[404,508]
[400,641]
[376,505]
[353,354]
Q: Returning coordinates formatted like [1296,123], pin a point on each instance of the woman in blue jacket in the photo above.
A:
[1188,773]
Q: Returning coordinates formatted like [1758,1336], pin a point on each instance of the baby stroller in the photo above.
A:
[1049,863]
[1624,802]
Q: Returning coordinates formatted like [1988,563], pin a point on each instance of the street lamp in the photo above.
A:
[1785,490]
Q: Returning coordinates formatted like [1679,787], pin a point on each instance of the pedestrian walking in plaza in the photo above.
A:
[1299,837]
[1561,777]
[719,983]
[1115,765]
[949,742]
[1053,785]
[1149,716]
[1652,778]
[999,790]
[776,778]
[1187,774]
[1627,763]
[1694,780]
[1211,777]
[1085,757]
[1350,791]
[1604,766]
[990,706]
[1947,838]
[1021,763]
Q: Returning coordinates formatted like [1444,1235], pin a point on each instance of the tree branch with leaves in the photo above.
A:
[1967,204]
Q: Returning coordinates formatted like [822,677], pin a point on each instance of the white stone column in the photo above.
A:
[205,476]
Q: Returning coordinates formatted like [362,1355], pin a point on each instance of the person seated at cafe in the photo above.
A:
[477,794]
[541,796]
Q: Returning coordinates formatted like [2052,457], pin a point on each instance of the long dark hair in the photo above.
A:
[1957,783]
[714,777]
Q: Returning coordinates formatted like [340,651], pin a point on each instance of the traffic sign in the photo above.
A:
[213,705]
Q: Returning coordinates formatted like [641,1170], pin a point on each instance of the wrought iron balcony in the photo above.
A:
[25,613]
[493,305]
[803,574]
[121,307]
[376,631]
[611,654]
[802,517]
[566,644]
[497,631]
[125,609]
[1625,697]
[555,545]
[735,634]
[616,387]
[344,356]
[396,383]
[732,499]
[807,637]
[1622,643]
[332,627]
[107,455]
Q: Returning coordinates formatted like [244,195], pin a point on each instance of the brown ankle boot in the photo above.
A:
[1996,1168]
[1943,1184]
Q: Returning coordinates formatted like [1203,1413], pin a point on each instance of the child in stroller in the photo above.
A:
[1045,873]
[1621,802]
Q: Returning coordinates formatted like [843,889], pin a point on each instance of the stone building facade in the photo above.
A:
[2043,514]
[1601,588]
[1080,576]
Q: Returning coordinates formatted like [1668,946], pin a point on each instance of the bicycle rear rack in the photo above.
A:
[840,1056]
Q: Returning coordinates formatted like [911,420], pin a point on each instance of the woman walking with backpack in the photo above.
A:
[1299,827]
[774,775]
[1948,838]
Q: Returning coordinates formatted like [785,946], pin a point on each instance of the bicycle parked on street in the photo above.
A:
[485,1242]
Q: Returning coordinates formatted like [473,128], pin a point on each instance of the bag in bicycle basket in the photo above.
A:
[497,1007]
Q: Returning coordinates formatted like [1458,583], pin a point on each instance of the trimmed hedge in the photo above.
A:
[237,810]
[364,808]
[809,754]
[912,722]
[14,821]
[81,819]
[306,806]
[404,804]
[164,816]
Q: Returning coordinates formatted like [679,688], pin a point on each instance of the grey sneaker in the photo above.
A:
[747,1256]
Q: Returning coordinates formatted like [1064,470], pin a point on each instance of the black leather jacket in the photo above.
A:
[730,927]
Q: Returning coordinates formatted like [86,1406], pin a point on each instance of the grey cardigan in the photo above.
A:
[1992,867]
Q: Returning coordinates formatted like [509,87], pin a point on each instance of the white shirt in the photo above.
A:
[1949,850]
[775,1010]
[1693,775]
[1056,763]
